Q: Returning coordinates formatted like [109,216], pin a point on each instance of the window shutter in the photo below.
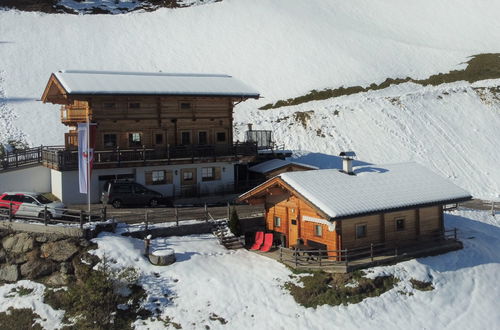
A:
[149,177]
[217,173]
[169,177]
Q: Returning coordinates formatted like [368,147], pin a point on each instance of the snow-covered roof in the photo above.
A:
[152,83]
[274,164]
[373,188]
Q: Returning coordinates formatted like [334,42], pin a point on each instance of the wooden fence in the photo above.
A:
[318,258]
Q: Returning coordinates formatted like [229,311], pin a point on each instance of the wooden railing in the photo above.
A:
[63,159]
[25,157]
[73,114]
[362,255]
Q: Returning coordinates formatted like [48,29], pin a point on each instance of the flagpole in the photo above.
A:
[88,164]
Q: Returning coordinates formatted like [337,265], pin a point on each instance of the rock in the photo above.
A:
[81,270]
[84,243]
[57,279]
[41,239]
[66,268]
[2,256]
[9,273]
[18,243]
[89,259]
[60,250]
[37,268]
[162,257]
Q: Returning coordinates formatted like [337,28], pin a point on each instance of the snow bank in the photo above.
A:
[245,289]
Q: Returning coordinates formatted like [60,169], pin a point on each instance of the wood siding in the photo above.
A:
[155,115]
[374,231]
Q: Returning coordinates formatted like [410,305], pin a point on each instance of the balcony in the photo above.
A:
[72,115]
[65,159]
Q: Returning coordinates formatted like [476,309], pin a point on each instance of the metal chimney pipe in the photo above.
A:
[347,165]
[250,127]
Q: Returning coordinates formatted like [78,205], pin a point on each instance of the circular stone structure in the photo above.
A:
[162,257]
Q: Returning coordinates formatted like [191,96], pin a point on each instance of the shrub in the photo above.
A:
[234,223]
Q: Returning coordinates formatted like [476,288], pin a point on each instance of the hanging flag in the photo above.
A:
[86,144]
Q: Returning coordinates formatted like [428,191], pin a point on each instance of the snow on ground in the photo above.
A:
[245,288]
[49,318]
[452,129]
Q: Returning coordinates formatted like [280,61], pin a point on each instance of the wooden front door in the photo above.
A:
[293,226]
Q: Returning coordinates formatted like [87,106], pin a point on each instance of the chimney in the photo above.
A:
[249,127]
[347,157]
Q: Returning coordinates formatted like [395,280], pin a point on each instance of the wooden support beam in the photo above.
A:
[256,201]
[275,191]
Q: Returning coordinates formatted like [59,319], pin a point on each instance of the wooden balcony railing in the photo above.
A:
[73,114]
[65,159]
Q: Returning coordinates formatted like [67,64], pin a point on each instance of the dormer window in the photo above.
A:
[134,105]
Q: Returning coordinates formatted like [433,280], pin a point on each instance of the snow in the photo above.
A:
[372,188]
[452,129]
[274,164]
[246,289]
[49,318]
[152,83]
[163,252]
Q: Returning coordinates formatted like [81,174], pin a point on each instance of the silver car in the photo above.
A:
[31,204]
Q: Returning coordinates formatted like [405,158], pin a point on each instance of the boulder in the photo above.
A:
[34,269]
[66,268]
[9,273]
[57,279]
[3,256]
[18,243]
[59,250]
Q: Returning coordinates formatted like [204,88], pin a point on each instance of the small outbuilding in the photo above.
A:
[274,167]
[394,205]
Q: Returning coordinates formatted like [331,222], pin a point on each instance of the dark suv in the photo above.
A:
[120,193]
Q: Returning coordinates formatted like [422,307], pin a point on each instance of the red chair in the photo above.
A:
[268,242]
[259,239]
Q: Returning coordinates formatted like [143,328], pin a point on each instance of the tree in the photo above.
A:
[234,223]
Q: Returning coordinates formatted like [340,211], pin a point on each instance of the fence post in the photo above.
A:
[296,257]
[228,211]
[320,257]
[396,252]
[371,251]
[176,216]
[103,214]
[113,224]
[206,213]
[281,253]
[45,215]
[346,258]
[82,219]
[146,218]
[455,233]
[11,215]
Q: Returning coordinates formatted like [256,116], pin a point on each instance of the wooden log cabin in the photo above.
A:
[173,131]
[393,205]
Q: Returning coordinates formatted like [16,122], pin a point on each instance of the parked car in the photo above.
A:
[30,204]
[120,193]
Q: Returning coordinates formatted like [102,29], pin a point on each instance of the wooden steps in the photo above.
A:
[226,238]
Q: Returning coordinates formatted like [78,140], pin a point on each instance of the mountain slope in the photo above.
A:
[283,49]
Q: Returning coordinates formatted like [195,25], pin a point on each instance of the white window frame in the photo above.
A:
[318,231]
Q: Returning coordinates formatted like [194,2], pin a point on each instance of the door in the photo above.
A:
[293,226]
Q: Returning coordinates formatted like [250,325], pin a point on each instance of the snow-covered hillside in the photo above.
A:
[285,49]
[451,128]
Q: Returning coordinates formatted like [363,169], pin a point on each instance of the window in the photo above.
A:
[187,176]
[221,136]
[361,231]
[277,222]
[29,200]
[158,138]
[122,188]
[158,177]
[109,140]
[400,224]
[318,230]
[185,138]
[134,105]
[202,138]
[134,140]
[108,105]
[138,189]
[185,105]
[207,174]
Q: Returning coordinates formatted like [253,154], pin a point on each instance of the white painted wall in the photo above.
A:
[35,179]
[65,184]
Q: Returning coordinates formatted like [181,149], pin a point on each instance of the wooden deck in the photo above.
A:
[287,257]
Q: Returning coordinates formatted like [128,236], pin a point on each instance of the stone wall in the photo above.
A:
[52,259]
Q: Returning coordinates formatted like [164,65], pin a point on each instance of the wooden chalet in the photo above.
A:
[173,131]
[392,205]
